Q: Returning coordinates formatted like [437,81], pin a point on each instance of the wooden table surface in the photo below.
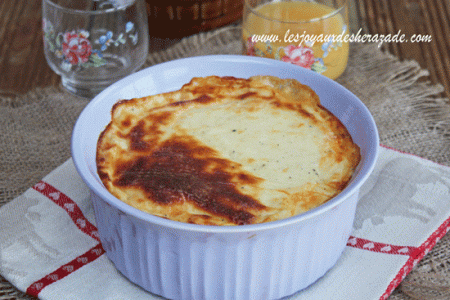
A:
[23,66]
[413,17]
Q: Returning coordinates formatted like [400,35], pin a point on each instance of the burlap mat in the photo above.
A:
[411,117]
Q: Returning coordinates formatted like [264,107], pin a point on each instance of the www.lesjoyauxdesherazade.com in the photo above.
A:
[311,39]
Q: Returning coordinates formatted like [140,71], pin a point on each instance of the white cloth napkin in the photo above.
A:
[49,245]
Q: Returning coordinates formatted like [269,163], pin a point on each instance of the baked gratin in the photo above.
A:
[226,151]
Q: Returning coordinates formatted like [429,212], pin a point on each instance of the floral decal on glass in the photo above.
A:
[302,56]
[76,49]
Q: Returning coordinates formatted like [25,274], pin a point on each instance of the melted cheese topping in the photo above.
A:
[226,151]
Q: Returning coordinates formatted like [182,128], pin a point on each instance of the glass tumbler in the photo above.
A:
[93,43]
[307,33]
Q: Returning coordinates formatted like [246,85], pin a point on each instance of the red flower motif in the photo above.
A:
[300,56]
[76,48]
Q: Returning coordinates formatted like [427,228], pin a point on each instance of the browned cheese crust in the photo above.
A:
[226,151]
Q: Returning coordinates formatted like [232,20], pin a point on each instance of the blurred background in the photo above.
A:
[23,66]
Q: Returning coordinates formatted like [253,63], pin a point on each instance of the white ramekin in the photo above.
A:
[188,261]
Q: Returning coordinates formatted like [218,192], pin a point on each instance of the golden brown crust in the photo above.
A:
[226,151]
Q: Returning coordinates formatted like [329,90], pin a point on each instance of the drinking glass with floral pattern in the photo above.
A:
[112,44]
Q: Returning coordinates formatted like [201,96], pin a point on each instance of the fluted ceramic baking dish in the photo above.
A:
[188,261]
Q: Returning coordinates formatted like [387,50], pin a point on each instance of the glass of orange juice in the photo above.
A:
[307,33]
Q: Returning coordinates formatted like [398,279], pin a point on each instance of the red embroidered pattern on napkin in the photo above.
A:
[82,223]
